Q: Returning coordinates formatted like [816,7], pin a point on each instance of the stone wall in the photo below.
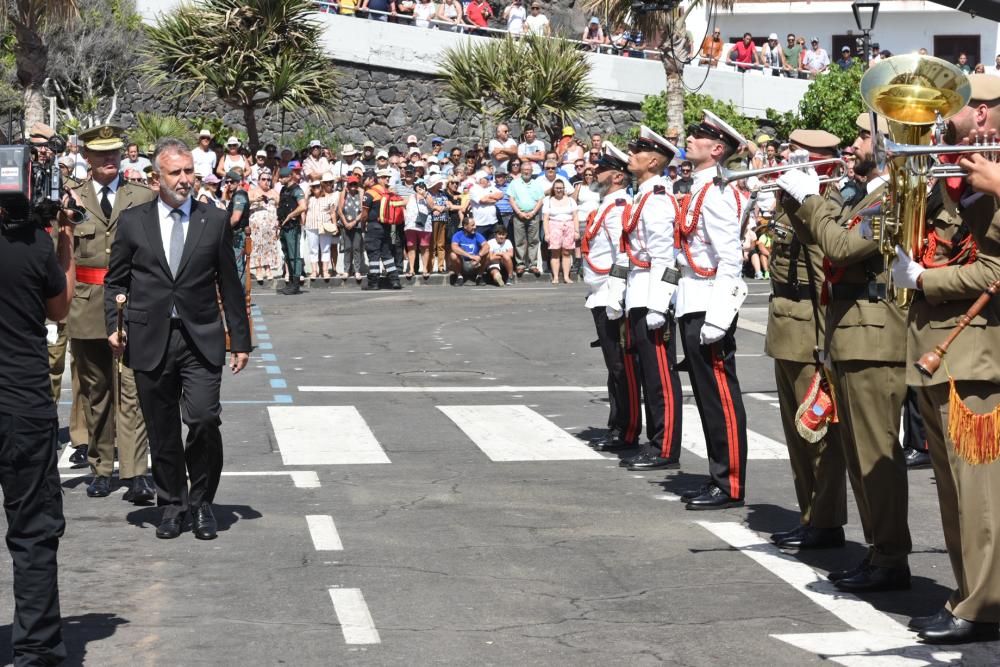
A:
[378,104]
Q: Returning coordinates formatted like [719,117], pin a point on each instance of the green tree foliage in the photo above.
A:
[313,131]
[654,109]
[539,81]
[248,54]
[150,128]
[833,102]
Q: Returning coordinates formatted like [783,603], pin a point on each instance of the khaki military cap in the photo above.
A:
[817,139]
[864,122]
[985,87]
[103,138]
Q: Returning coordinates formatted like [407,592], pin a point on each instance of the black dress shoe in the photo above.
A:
[837,575]
[785,534]
[815,538]
[612,441]
[652,462]
[713,499]
[170,527]
[631,460]
[876,578]
[140,491]
[79,456]
[954,630]
[916,459]
[204,525]
[921,622]
[99,488]
[691,494]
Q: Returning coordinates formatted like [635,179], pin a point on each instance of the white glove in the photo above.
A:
[614,312]
[800,156]
[711,334]
[655,320]
[905,271]
[799,184]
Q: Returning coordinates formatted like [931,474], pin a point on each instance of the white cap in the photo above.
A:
[412,139]
[232,141]
[204,133]
[731,137]
[773,35]
[261,153]
[658,143]
[613,157]
[434,169]
[434,180]
[315,143]
[414,150]
[382,154]
[479,175]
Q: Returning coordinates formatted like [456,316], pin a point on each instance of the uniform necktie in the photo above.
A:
[106,202]
[176,241]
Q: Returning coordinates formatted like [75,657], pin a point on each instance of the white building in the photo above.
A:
[903,26]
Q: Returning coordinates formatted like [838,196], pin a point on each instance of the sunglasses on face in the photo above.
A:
[685,171]
[549,169]
[641,146]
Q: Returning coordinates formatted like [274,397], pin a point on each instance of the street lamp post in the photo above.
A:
[865,15]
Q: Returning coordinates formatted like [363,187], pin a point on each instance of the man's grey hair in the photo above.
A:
[171,145]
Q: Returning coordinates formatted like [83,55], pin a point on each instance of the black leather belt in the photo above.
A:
[618,271]
[785,291]
[872,292]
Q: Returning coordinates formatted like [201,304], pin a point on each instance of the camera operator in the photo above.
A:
[38,284]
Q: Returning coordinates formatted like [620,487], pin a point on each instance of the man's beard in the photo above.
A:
[175,196]
[604,189]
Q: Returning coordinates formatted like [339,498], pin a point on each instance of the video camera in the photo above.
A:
[31,189]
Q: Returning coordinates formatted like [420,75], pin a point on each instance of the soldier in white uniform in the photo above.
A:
[709,297]
[599,248]
[649,257]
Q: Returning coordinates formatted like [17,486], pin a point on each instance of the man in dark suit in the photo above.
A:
[168,258]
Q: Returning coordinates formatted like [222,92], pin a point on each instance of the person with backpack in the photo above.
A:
[291,206]
[380,210]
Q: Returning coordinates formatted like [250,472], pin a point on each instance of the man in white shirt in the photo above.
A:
[343,167]
[532,150]
[80,168]
[259,164]
[502,148]
[133,160]
[995,70]
[537,23]
[550,176]
[515,15]
[816,59]
[484,197]
[315,163]
[204,157]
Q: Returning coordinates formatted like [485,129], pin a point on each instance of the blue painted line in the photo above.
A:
[263,336]
[279,384]
[265,346]
[268,357]
[272,370]
[282,398]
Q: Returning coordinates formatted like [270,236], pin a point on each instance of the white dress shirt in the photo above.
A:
[112,190]
[167,223]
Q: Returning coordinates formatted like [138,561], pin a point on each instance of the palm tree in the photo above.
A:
[151,127]
[249,54]
[675,45]
[534,80]
[29,19]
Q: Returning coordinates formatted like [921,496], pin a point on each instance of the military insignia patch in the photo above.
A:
[620,202]
[659,190]
[106,132]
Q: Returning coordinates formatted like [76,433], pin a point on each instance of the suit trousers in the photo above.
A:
[106,430]
[969,496]
[661,384]
[716,389]
[57,367]
[870,401]
[525,242]
[623,377]
[32,500]
[817,467]
[184,386]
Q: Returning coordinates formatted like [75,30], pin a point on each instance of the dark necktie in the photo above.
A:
[106,202]
[176,241]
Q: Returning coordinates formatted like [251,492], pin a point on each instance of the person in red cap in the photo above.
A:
[709,296]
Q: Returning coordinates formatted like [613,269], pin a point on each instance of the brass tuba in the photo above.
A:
[914,94]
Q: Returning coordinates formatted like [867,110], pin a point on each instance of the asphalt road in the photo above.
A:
[405,485]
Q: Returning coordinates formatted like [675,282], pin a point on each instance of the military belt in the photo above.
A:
[618,271]
[793,292]
[872,292]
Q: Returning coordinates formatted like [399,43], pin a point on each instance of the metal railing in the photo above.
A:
[332,7]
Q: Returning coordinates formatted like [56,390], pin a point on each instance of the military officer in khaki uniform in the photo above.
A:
[794,337]
[104,197]
[961,260]
[863,334]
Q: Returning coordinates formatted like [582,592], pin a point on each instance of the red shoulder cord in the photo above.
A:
[629,224]
[683,229]
[594,225]
[966,255]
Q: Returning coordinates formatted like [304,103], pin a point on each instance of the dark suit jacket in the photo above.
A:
[139,269]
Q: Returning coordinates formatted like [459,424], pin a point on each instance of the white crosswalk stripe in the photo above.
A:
[324,435]
[759,447]
[516,433]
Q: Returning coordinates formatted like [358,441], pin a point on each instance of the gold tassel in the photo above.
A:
[976,438]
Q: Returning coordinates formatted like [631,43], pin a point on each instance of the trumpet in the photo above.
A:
[885,150]
[727,176]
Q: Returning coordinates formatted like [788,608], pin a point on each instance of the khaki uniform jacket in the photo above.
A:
[93,239]
[948,292]
[791,328]
[856,329]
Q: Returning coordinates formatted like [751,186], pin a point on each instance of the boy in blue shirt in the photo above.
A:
[463,256]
